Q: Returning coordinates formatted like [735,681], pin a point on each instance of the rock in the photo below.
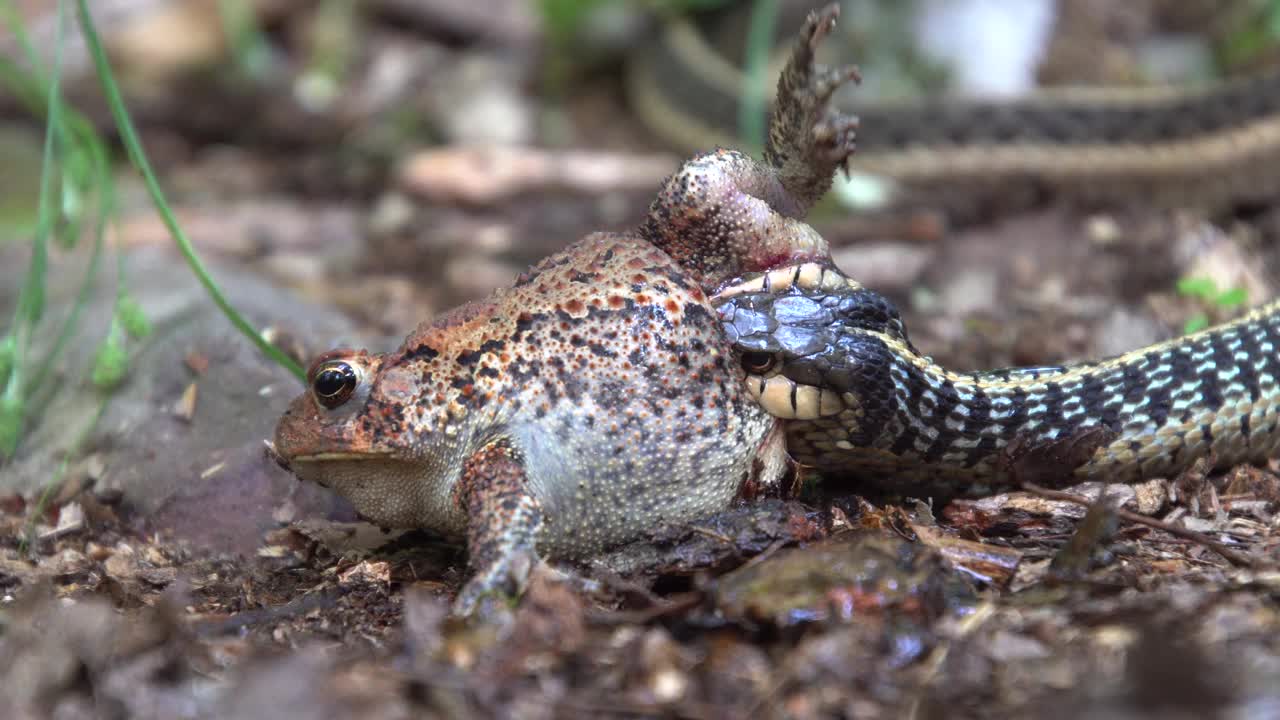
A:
[205,478]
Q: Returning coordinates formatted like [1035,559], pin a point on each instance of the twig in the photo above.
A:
[617,583]
[767,553]
[1227,553]
[668,606]
[708,532]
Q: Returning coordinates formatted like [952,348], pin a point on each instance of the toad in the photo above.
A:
[597,397]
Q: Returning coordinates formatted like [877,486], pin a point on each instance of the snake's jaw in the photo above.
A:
[787,399]
[812,276]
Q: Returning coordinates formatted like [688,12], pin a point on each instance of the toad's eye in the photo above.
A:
[758,363]
[333,383]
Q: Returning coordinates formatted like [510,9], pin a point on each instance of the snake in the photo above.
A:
[833,359]
[1208,146]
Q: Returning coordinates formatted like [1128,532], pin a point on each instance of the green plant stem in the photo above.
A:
[752,112]
[31,301]
[74,130]
[82,298]
[14,22]
[30,304]
[133,146]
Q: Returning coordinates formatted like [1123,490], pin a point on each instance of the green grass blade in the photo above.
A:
[752,111]
[31,300]
[30,306]
[15,25]
[129,136]
[72,320]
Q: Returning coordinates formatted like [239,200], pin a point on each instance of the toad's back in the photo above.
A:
[607,368]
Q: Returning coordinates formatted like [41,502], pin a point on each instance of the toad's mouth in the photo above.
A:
[384,489]
[352,472]
[290,463]
[332,456]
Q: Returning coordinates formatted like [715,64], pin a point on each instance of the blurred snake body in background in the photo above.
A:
[1204,146]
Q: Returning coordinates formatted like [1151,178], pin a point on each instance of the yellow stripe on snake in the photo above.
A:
[834,359]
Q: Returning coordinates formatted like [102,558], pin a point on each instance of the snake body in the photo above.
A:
[1200,146]
[835,360]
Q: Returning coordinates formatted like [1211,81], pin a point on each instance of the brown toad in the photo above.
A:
[596,398]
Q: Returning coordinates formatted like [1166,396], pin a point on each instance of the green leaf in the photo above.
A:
[11,408]
[1195,323]
[8,354]
[111,361]
[72,199]
[132,317]
[1235,297]
[1201,287]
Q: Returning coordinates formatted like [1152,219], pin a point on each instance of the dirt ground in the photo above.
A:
[154,563]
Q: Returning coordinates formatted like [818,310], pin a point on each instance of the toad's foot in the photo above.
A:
[808,138]
[724,215]
[502,523]
[495,586]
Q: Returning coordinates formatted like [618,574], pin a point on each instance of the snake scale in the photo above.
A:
[1206,146]
[835,360]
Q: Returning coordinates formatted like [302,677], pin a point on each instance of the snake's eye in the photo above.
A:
[758,363]
[333,383]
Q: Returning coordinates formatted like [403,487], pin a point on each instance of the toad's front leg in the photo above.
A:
[503,519]
[724,214]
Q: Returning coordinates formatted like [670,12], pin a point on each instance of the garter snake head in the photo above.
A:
[814,344]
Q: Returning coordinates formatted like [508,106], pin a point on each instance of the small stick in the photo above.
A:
[1227,553]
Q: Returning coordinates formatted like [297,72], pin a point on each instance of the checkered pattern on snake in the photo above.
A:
[834,359]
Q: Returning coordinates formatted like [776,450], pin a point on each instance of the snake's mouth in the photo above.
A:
[787,399]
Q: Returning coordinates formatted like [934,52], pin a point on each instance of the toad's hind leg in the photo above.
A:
[808,138]
[502,524]
[723,214]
